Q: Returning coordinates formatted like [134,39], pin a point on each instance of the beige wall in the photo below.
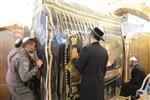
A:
[7,40]
[139,46]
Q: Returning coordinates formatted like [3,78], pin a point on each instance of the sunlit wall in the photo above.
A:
[16,11]
[133,24]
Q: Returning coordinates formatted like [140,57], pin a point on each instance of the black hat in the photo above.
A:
[97,32]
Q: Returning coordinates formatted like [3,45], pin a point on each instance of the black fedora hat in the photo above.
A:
[97,32]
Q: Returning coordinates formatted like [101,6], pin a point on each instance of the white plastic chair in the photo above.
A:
[143,90]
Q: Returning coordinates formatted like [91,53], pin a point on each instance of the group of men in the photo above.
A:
[22,70]
[91,63]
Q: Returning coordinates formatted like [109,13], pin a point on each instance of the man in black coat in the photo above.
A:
[92,65]
[137,76]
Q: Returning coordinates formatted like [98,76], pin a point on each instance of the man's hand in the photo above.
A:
[74,53]
[39,63]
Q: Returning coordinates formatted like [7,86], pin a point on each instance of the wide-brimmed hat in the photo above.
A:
[97,32]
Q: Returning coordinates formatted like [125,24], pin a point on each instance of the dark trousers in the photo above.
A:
[10,97]
[34,85]
[128,89]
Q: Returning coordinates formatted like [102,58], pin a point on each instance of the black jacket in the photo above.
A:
[92,65]
[137,76]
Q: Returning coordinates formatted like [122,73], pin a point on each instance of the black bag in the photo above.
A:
[34,85]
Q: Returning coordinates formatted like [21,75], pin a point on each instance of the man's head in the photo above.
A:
[30,44]
[18,43]
[96,34]
[132,61]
